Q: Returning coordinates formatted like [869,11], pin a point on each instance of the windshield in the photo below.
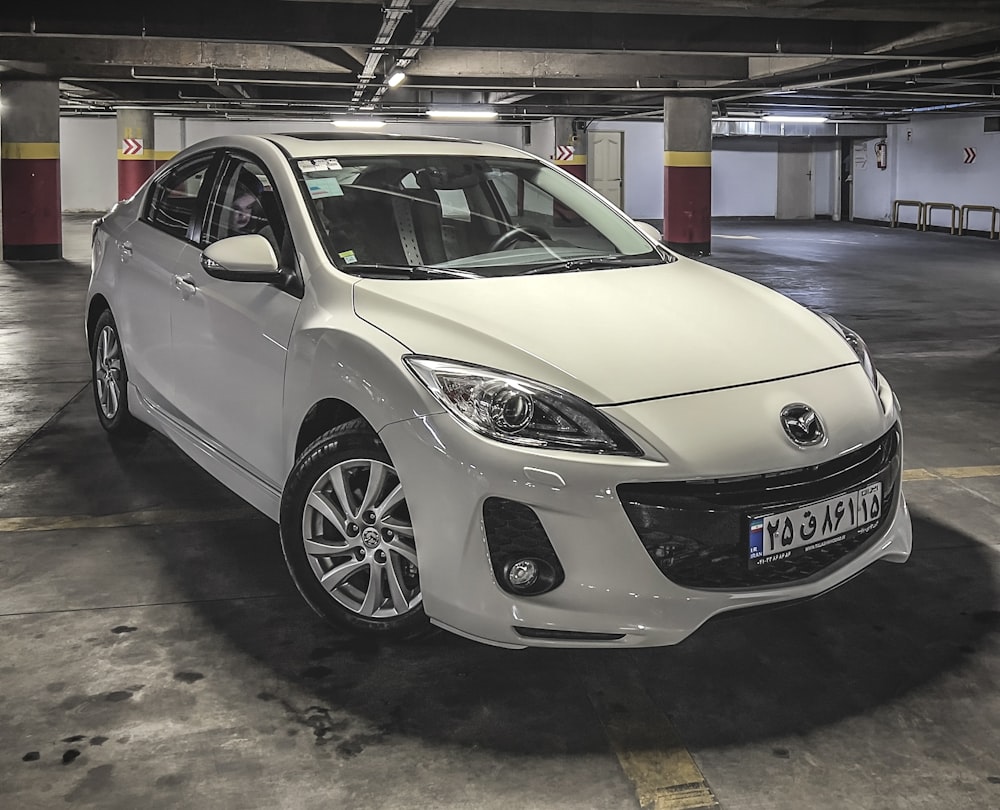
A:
[450,216]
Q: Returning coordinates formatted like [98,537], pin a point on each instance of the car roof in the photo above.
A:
[321,144]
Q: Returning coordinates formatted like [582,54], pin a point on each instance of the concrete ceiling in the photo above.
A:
[528,59]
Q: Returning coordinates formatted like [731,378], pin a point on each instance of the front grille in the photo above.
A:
[697,531]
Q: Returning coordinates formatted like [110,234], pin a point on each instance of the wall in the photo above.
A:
[926,162]
[744,177]
[826,180]
[543,138]
[88,147]
[744,173]
[874,188]
[643,179]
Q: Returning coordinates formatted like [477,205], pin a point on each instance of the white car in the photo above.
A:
[476,395]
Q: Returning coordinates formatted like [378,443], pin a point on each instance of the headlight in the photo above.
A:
[519,411]
[855,342]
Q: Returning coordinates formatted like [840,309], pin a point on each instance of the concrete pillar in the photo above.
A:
[569,137]
[29,189]
[136,155]
[687,174]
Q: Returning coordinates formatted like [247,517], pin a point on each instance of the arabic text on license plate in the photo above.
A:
[775,537]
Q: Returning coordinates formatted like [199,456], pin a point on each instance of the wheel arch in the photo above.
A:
[97,305]
[324,415]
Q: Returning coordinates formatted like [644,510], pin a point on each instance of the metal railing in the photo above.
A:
[992,210]
[959,215]
[897,204]
[929,207]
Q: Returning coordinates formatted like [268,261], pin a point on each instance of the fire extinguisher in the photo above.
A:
[881,159]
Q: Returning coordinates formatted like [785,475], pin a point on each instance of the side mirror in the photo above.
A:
[242,258]
[650,231]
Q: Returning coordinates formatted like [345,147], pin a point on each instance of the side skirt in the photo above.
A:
[260,494]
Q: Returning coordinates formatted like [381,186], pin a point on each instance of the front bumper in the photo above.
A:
[613,590]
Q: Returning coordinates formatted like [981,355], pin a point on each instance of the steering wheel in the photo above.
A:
[516,234]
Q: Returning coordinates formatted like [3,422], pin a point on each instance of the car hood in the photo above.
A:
[610,336]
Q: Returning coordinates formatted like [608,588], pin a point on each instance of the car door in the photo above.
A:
[230,337]
[148,251]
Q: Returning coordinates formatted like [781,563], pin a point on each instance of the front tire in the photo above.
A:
[109,378]
[347,537]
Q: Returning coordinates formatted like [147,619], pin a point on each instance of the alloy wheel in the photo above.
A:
[358,539]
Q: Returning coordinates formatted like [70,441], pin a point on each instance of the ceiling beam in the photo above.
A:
[163,53]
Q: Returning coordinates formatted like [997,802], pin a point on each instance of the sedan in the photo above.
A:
[474,395]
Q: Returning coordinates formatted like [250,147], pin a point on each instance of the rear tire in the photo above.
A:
[109,377]
[347,537]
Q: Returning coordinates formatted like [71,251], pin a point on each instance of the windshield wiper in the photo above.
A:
[411,270]
[589,263]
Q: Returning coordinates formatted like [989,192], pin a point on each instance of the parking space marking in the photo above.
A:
[647,746]
[936,473]
[145,517]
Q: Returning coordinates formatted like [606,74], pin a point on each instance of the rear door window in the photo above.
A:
[173,202]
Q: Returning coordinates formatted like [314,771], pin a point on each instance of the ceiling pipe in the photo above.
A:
[394,13]
[420,37]
[954,64]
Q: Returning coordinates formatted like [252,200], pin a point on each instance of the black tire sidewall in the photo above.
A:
[123,421]
[353,440]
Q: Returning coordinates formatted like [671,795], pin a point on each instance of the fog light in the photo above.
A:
[522,574]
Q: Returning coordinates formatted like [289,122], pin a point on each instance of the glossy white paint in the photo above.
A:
[614,336]
[693,363]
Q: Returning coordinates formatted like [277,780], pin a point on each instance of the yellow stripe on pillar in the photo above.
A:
[29,151]
[576,160]
[691,159]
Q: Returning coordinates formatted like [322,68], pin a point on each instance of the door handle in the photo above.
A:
[185,286]
[125,251]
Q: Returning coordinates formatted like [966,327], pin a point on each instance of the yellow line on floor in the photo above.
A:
[648,747]
[934,473]
[145,517]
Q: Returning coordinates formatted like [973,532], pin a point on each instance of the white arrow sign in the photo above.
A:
[132,146]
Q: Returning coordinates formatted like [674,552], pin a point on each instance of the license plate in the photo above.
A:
[778,536]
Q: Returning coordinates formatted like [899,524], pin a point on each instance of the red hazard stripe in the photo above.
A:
[132,174]
[32,208]
[687,204]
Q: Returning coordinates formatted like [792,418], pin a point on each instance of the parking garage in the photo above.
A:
[156,652]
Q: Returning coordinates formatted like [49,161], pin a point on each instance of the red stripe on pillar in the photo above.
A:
[687,205]
[31,202]
[132,174]
[578,170]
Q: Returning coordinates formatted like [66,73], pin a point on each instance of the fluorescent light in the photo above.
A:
[395,78]
[796,119]
[462,113]
[359,123]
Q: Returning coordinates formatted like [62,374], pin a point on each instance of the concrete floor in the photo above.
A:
[154,654]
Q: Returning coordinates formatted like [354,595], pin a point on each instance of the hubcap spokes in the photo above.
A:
[107,372]
[358,539]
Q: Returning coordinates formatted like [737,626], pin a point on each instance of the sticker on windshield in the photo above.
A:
[319,165]
[348,257]
[320,187]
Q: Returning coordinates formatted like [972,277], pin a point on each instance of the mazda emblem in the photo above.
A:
[802,425]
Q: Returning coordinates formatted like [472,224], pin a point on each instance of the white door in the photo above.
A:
[795,179]
[605,164]
[230,340]
[148,252]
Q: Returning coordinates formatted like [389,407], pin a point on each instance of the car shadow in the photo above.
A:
[891,630]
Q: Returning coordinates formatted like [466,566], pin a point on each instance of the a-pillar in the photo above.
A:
[29,188]
[687,174]
[571,148]
[136,156]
